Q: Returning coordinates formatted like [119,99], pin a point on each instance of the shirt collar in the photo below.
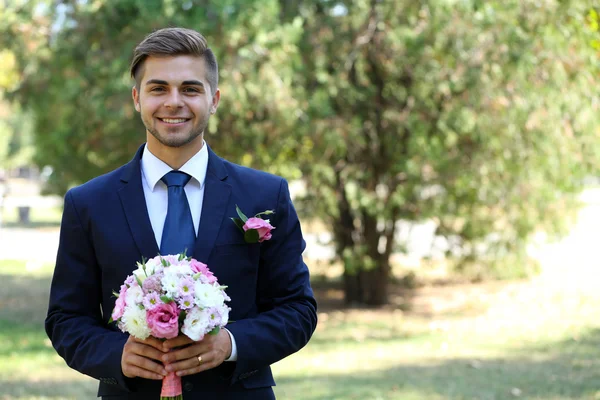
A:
[153,168]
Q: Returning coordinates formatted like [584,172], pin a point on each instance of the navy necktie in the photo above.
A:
[178,233]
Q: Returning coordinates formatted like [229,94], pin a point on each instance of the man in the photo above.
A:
[115,220]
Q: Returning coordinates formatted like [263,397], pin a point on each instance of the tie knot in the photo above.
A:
[176,178]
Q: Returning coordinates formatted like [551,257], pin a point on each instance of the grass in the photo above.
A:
[528,340]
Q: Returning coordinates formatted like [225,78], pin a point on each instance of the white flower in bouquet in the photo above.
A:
[134,321]
[196,323]
[208,295]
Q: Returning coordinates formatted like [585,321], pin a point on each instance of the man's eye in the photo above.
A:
[157,89]
[191,90]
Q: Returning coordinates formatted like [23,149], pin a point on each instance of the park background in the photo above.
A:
[443,155]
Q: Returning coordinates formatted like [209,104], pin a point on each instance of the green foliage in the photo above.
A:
[480,116]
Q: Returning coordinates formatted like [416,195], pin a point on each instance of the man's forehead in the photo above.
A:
[175,69]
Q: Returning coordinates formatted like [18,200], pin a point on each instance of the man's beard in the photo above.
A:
[173,141]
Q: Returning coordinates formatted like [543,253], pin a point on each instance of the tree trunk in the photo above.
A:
[353,294]
[366,288]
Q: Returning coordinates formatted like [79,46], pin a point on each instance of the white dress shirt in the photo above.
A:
[156,195]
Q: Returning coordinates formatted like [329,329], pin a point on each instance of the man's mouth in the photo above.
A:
[174,120]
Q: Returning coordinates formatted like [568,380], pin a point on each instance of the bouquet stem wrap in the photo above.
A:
[171,387]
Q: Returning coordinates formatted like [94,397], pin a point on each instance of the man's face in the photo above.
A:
[175,100]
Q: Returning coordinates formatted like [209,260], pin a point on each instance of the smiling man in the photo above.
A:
[117,219]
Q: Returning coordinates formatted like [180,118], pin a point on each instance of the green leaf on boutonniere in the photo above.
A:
[251,236]
[241,214]
[239,223]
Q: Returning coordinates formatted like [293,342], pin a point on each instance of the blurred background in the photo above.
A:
[443,155]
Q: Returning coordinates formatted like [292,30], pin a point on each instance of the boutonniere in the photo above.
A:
[255,229]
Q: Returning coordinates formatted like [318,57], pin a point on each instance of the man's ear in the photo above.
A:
[215,101]
[136,98]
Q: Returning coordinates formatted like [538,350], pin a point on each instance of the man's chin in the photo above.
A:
[176,141]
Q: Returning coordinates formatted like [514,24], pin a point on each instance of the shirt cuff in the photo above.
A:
[233,356]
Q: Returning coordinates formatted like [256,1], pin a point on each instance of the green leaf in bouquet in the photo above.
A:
[241,214]
[214,331]
[164,262]
[182,316]
[115,294]
[166,299]
[139,281]
[251,236]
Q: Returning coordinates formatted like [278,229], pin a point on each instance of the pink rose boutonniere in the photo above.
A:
[255,229]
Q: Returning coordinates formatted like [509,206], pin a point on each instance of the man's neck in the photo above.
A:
[175,157]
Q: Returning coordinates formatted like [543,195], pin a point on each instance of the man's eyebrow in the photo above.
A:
[184,83]
[156,82]
[193,83]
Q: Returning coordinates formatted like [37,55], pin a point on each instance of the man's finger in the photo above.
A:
[154,342]
[134,371]
[183,353]
[193,366]
[179,341]
[134,362]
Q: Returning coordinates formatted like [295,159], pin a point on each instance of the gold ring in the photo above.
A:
[199,360]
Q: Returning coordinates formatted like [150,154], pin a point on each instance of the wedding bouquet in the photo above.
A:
[167,295]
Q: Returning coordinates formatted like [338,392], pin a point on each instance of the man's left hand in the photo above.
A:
[183,357]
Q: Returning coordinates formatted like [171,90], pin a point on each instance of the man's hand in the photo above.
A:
[183,353]
[138,358]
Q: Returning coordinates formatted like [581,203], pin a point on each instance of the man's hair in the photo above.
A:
[175,42]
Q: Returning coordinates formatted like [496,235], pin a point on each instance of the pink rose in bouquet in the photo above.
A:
[163,320]
[169,295]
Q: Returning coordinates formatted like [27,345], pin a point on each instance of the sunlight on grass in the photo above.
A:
[521,340]
[26,268]
[25,348]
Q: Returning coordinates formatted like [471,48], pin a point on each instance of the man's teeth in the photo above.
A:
[173,121]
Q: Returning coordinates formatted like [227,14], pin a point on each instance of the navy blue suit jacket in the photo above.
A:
[106,229]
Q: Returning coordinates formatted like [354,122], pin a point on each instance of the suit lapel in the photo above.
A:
[134,206]
[214,206]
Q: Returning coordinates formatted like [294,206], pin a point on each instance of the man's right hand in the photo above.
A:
[141,358]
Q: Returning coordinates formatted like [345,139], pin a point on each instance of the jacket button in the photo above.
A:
[188,386]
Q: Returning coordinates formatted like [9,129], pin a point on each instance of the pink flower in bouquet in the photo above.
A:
[262,226]
[163,320]
[151,300]
[120,304]
[199,267]
[152,284]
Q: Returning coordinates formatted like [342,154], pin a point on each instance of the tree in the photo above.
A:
[478,115]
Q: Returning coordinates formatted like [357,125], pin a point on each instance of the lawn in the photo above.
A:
[526,340]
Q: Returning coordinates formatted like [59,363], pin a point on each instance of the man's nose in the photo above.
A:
[174,99]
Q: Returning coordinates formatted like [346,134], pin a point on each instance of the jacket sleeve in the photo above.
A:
[287,309]
[74,321]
